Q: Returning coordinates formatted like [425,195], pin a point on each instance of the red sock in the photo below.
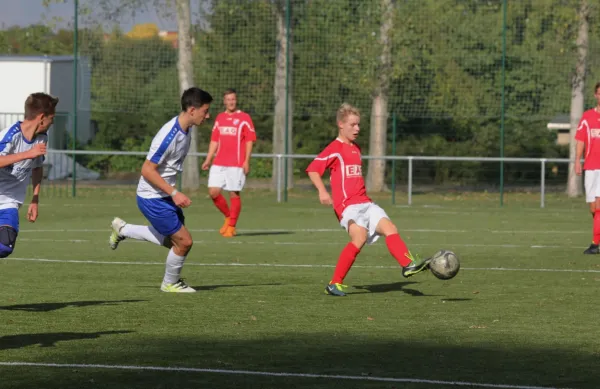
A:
[345,262]
[221,205]
[398,249]
[236,208]
[597,227]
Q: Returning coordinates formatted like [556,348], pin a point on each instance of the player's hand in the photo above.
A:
[246,167]
[37,150]
[181,200]
[206,164]
[325,198]
[32,212]
[578,169]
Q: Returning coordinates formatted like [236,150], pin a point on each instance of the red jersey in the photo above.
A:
[232,131]
[588,132]
[345,166]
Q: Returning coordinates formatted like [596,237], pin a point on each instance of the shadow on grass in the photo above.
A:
[391,287]
[228,363]
[50,339]
[213,287]
[47,307]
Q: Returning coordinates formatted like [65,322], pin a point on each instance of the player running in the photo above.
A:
[157,198]
[588,140]
[364,220]
[22,150]
[232,139]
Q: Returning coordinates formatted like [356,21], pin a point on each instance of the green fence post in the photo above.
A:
[502,113]
[75,64]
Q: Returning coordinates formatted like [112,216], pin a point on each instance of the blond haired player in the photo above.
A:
[588,141]
[364,220]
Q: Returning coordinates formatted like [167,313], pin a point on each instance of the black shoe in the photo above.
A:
[415,267]
[593,249]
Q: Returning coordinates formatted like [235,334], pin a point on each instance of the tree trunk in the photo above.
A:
[379,108]
[185,69]
[574,184]
[283,79]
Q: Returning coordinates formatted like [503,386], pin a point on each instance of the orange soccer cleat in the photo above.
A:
[225,225]
[229,232]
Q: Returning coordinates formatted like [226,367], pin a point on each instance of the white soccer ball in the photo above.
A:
[444,265]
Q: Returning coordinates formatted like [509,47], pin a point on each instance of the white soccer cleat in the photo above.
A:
[178,287]
[115,236]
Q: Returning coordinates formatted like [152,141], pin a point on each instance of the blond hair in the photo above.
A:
[346,110]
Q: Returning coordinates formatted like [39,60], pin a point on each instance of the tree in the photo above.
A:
[185,70]
[379,107]
[283,92]
[574,185]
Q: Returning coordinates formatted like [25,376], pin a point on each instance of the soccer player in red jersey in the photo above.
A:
[230,145]
[364,220]
[588,140]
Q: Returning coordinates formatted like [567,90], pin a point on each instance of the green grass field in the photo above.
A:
[523,311]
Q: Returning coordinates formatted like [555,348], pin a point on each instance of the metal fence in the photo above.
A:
[411,181]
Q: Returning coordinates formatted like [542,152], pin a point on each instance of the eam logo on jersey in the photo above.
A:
[595,132]
[228,131]
[353,171]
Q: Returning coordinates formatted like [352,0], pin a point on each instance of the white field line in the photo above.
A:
[271,374]
[309,266]
[282,230]
[283,243]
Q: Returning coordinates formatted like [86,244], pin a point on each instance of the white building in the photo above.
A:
[23,75]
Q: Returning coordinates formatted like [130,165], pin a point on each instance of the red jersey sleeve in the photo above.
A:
[214,136]
[327,159]
[582,130]
[249,132]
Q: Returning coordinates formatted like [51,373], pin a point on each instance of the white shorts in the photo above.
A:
[592,185]
[366,215]
[230,178]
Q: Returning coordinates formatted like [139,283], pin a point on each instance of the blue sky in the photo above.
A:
[26,12]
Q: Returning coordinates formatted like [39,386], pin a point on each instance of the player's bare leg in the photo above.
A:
[358,238]
[595,246]
[181,243]
[236,208]
[221,204]
[398,249]
[122,230]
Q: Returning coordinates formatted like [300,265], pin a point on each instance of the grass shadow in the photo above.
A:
[391,287]
[50,339]
[47,307]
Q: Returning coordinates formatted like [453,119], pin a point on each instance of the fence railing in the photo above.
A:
[60,166]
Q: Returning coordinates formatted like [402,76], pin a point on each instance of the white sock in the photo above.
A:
[173,268]
[146,233]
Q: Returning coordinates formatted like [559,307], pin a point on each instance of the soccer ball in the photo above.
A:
[444,264]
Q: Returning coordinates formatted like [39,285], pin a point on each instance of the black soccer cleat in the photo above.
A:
[416,266]
[593,249]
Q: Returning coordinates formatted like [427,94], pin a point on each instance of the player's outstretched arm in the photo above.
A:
[37,150]
[212,150]
[36,183]
[151,174]
[324,196]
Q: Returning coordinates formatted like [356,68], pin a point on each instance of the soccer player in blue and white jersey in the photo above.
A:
[22,150]
[157,198]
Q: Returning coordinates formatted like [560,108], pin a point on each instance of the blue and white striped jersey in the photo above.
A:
[169,149]
[15,178]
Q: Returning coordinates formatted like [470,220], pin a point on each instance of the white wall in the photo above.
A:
[18,79]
